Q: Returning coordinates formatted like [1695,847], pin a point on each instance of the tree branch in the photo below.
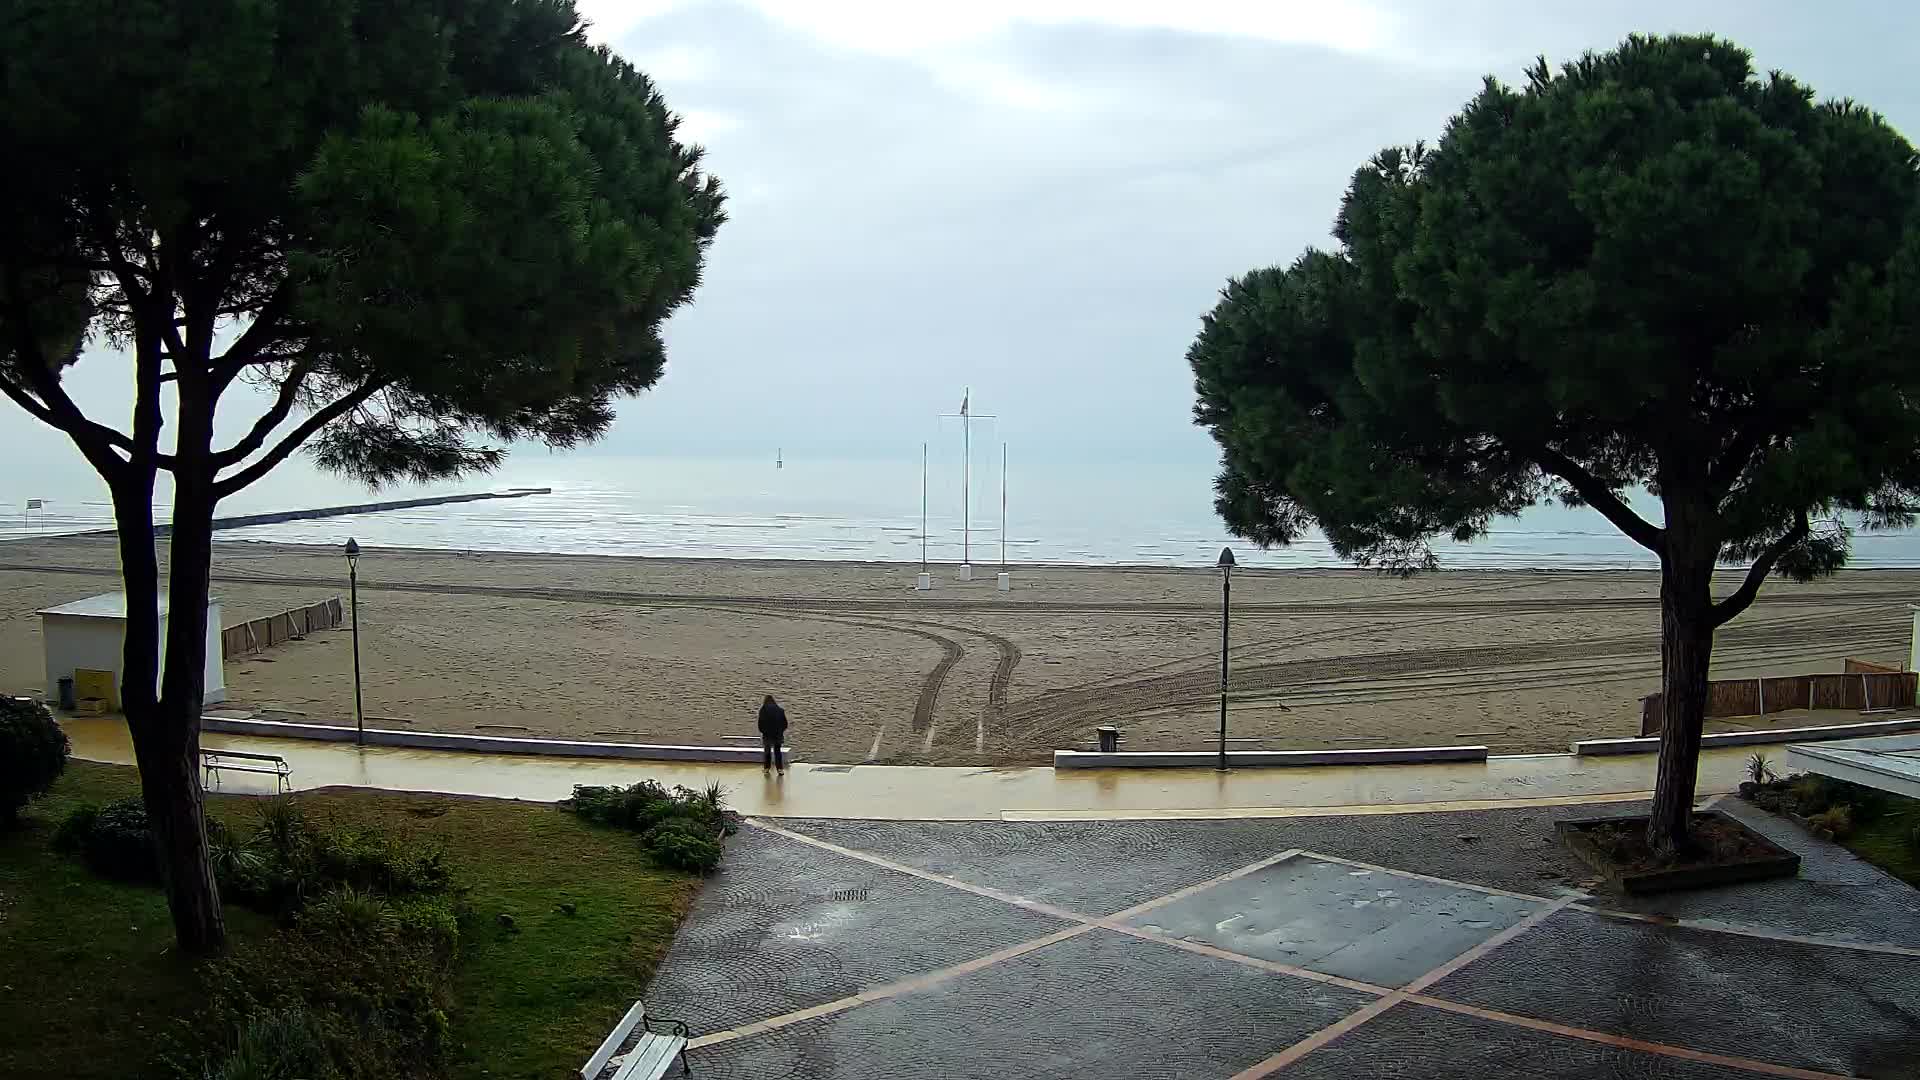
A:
[272,418]
[1722,474]
[1742,598]
[258,333]
[1600,497]
[296,438]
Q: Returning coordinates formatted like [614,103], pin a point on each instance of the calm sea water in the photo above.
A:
[845,510]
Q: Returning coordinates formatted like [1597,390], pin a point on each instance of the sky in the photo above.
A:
[1038,200]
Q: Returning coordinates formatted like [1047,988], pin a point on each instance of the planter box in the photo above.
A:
[1766,859]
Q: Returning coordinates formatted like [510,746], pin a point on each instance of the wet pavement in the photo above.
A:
[1432,945]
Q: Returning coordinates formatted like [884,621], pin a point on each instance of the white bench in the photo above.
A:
[648,1058]
[215,761]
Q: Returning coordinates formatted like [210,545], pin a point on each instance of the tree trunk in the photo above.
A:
[168,752]
[1686,649]
[175,803]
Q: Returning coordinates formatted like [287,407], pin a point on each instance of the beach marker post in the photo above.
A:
[925,581]
[1226,606]
[966,418]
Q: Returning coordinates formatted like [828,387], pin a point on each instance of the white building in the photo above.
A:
[88,635]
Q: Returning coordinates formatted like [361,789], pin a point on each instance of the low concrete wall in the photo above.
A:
[484,744]
[1651,744]
[1200,759]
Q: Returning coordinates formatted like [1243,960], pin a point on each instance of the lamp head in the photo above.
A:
[353,550]
[1226,559]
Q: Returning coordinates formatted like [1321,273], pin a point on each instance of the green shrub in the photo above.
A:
[1837,820]
[33,754]
[682,844]
[678,828]
[284,1044]
[1813,793]
[375,991]
[71,836]
[119,843]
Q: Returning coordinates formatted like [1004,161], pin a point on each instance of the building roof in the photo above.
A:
[1888,762]
[111,605]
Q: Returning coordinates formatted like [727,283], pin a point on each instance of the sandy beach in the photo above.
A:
[681,650]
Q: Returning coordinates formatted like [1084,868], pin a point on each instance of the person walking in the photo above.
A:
[773,732]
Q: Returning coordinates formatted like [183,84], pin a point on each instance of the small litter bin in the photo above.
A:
[66,698]
[1109,738]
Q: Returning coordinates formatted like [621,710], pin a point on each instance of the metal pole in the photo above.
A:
[359,712]
[923,508]
[966,487]
[1226,604]
[1003,506]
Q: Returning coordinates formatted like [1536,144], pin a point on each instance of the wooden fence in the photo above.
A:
[257,635]
[1864,687]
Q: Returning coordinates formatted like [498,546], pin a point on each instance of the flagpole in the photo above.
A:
[1003,506]
[923,508]
[966,479]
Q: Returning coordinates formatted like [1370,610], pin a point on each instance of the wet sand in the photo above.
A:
[870,670]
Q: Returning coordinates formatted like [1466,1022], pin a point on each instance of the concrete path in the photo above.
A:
[918,792]
[1451,944]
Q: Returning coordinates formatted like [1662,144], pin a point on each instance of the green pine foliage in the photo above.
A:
[1652,268]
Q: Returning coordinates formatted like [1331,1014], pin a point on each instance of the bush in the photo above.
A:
[33,754]
[119,842]
[1837,820]
[376,997]
[1812,793]
[290,860]
[285,1044]
[71,836]
[682,844]
[678,828]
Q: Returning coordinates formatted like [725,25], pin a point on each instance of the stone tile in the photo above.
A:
[1097,1006]
[1095,868]
[1836,895]
[1814,1007]
[1413,1042]
[784,925]
[1377,927]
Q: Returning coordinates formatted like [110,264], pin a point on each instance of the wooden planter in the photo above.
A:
[1769,860]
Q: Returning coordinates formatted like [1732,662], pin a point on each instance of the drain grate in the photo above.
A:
[847,895]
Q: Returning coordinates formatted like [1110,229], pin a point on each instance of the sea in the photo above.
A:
[797,507]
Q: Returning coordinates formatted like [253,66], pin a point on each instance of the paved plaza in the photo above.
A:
[1423,946]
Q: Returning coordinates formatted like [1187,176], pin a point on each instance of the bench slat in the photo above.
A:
[595,1064]
[652,1056]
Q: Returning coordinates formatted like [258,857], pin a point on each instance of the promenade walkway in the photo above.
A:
[928,793]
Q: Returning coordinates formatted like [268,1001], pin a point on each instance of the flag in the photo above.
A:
[35,504]
[963,401]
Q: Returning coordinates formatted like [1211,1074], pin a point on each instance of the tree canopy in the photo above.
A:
[1650,269]
[413,222]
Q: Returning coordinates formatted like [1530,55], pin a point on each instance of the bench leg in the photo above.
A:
[685,1069]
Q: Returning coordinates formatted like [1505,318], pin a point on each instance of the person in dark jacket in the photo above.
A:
[773,731]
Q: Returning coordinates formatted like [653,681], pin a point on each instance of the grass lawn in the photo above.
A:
[88,977]
[1889,842]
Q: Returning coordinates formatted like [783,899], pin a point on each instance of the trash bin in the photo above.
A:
[1109,739]
[66,698]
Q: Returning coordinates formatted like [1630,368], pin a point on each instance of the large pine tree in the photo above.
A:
[426,227]
[1650,269]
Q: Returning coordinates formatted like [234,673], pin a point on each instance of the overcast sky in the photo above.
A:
[1039,199]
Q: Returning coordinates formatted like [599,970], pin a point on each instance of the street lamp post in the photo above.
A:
[353,590]
[1226,604]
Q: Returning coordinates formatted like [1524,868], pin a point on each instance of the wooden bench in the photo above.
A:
[650,1056]
[214,761]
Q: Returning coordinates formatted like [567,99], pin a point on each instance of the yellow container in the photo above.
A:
[89,683]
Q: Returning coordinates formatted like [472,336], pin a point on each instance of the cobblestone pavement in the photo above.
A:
[1417,946]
